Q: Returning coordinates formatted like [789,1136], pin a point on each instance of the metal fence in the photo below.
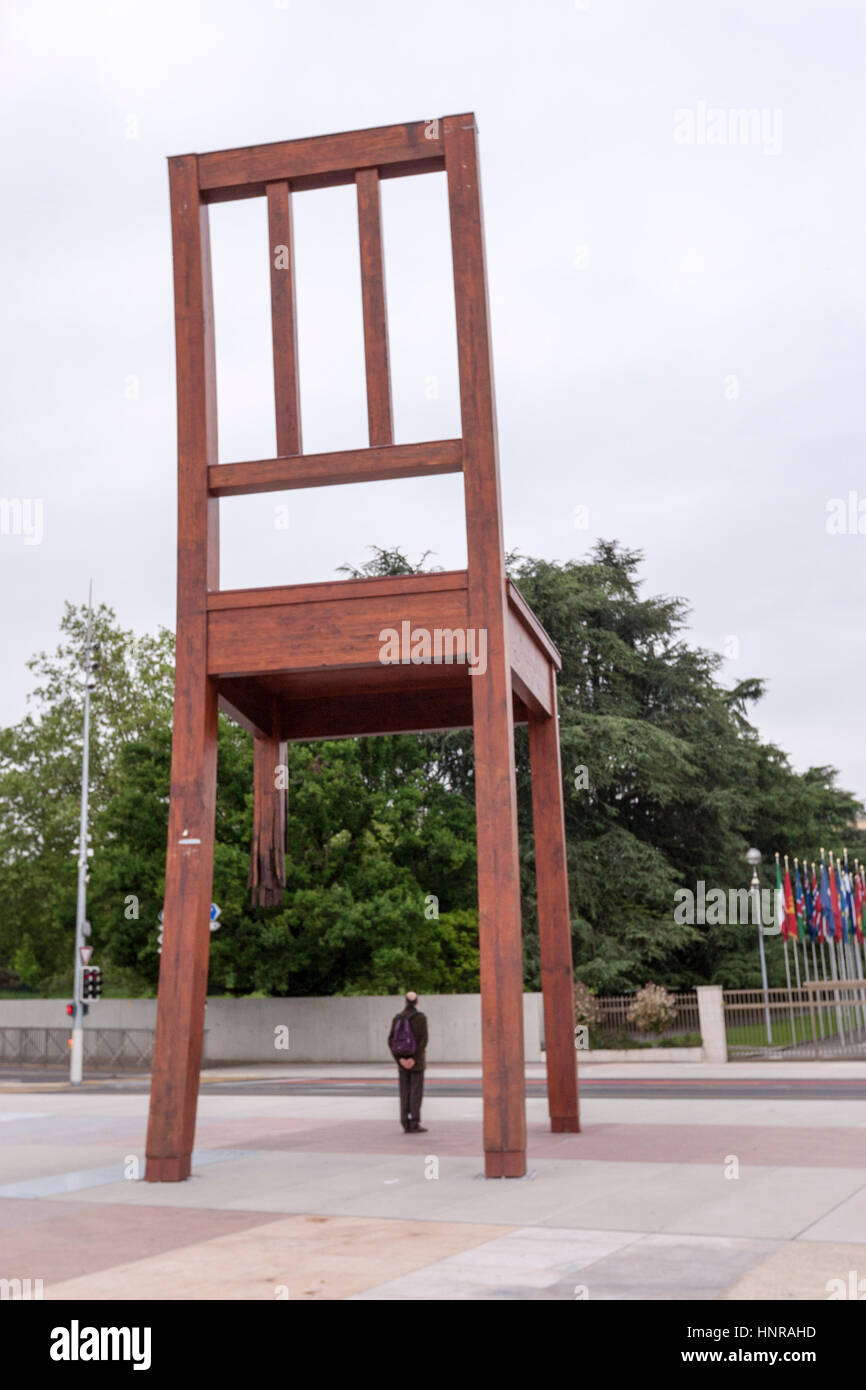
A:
[103,1047]
[612,1026]
[818,1020]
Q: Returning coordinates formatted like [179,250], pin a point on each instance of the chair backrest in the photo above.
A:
[274,172]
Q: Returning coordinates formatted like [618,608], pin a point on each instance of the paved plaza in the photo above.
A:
[302,1195]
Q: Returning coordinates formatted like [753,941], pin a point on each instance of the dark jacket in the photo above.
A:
[418,1024]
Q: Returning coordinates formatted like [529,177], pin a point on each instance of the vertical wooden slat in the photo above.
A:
[495,786]
[284,327]
[554,919]
[380,423]
[189,860]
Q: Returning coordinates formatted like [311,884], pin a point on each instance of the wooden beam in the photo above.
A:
[284,328]
[189,859]
[499,925]
[343,632]
[320,162]
[554,920]
[356,713]
[400,712]
[530,667]
[379,414]
[408,586]
[328,470]
[238,716]
[543,639]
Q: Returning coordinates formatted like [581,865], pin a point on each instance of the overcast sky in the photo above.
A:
[678,323]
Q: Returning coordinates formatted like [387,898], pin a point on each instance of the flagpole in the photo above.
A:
[817,979]
[819,936]
[858,927]
[856,967]
[840,949]
[846,943]
[830,927]
[787,963]
[753,857]
[76,1051]
[797,940]
[842,946]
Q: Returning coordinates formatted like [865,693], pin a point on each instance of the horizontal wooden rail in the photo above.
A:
[322,161]
[348,466]
[403,586]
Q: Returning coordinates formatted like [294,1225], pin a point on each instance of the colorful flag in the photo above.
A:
[835,910]
[845,906]
[790,913]
[851,902]
[811,925]
[800,903]
[858,906]
[781,920]
[817,910]
[827,905]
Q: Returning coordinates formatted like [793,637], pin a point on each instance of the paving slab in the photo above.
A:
[805,1270]
[310,1196]
[295,1258]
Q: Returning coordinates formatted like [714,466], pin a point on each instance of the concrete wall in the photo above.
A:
[351,1029]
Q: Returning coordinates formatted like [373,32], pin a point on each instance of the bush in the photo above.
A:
[587,1009]
[653,1009]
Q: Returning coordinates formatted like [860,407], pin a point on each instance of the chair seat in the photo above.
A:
[367,656]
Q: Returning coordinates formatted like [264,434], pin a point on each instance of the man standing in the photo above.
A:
[408,1043]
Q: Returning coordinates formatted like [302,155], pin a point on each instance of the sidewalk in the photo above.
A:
[313,1196]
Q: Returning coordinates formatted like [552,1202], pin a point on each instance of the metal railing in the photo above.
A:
[820,1019]
[103,1047]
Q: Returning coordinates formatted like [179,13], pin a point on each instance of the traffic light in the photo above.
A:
[91,982]
[93,665]
[70,1009]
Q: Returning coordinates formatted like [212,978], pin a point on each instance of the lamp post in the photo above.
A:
[91,662]
[753,857]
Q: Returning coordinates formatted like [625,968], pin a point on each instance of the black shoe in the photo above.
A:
[418,1129]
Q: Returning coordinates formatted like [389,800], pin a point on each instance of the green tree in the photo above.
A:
[25,963]
[666,782]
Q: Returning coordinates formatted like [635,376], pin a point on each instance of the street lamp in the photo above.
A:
[82,926]
[753,857]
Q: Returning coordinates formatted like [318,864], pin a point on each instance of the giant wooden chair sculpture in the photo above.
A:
[303,662]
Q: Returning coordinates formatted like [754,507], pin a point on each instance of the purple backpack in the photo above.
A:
[403,1042]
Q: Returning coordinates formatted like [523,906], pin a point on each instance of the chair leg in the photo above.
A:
[554,922]
[267,875]
[499,930]
[186,930]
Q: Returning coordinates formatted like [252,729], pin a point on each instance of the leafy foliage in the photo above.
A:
[666,782]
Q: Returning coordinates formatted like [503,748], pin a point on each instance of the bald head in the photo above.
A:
[411,997]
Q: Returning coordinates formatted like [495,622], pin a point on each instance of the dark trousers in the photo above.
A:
[411,1094]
